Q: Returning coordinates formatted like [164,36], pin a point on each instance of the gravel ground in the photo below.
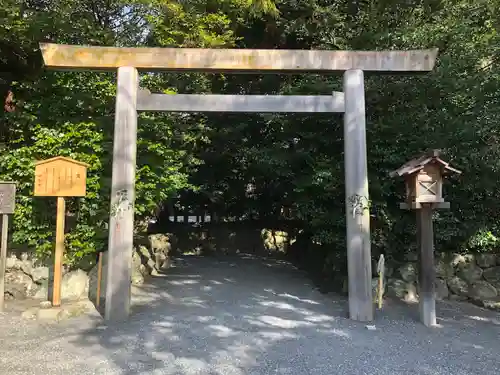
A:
[233,316]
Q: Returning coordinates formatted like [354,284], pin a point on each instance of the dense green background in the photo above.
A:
[293,161]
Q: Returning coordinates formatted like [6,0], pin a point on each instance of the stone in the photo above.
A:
[39,273]
[15,291]
[442,291]
[444,269]
[30,313]
[45,305]
[459,259]
[492,275]
[411,293]
[26,266]
[137,273]
[12,262]
[74,285]
[458,286]
[486,260]
[16,279]
[147,261]
[456,297]
[492,304]
[137,277]
[160,247]
[154,272]
[81,307]
[65,269]
[51,314]
[64,314]
[482,290]
[396,288]
[411,256]
[159,241]
[408,272]
[274,240]
[73,310]
[402,290]
[469,272]
[42,291]
[48,313]
[85,305]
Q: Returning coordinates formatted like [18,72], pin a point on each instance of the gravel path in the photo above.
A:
[235,316]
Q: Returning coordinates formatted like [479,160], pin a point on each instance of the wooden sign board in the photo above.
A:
[60,177]
[7,197]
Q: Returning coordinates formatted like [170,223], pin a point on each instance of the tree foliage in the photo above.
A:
[294,162]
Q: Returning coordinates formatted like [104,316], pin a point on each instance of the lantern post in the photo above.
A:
[423,178]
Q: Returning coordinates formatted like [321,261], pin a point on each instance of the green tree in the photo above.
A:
[288,161]
[71,114]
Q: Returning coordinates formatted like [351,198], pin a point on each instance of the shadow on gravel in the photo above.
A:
[249,315]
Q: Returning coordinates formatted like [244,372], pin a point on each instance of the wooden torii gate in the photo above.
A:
[130,99]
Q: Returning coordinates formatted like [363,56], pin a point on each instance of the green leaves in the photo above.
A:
[71,114]
[256,165]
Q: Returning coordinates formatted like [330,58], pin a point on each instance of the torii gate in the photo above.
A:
[130,99]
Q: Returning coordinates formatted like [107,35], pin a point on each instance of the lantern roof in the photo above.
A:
[417,164]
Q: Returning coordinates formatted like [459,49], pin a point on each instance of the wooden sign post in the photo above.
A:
[424,193]
[60,177]
[7,205]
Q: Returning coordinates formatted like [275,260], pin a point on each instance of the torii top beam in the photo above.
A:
[63,57]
